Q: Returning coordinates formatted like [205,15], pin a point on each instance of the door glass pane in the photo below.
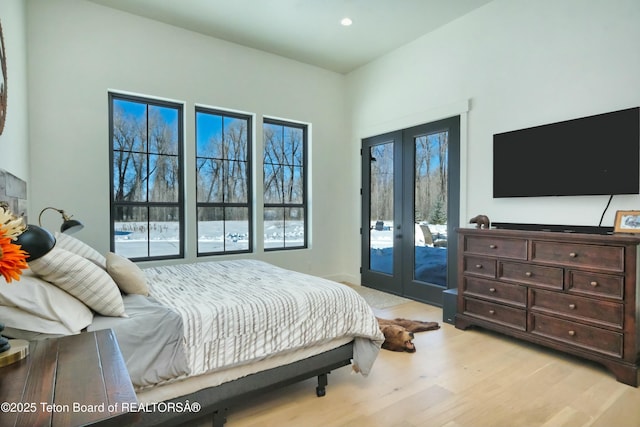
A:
[430,208]
[381,208]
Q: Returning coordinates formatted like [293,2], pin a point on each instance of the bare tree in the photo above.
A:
[381,179]
[163,168]
[145,163]
[222,174]
[129,137]
[431,176]
[423,165]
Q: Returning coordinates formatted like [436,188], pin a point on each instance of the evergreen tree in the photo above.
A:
[438,213]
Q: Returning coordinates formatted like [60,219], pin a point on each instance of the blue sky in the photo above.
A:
[170,115]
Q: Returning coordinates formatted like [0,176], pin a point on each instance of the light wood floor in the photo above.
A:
[456,378]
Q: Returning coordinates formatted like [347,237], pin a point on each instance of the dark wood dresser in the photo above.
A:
[71,381]
[577,293]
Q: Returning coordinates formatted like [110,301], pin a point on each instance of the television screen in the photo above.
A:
[596,155]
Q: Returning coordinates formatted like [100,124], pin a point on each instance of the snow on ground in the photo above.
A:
[430,260]
[133,239]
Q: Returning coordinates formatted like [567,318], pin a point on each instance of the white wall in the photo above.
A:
[520,63]
[14,147]
[511,64]
[78,50]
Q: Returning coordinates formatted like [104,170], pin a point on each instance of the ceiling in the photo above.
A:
[308,31]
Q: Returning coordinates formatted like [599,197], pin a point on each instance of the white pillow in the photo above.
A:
[41,299]
[82,279]
[78,247]
[13,317]
[127,275]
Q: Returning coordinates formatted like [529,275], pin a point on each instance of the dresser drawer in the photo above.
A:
[600,313]
[609,258]
[588,337]
[530,274]
[496,313]
[478,266]
[496,246]
[496,291]
[594,284]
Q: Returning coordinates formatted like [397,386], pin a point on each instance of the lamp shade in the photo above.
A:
[36,241]
[70,226]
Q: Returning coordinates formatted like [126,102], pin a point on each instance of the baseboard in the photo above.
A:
[342,277]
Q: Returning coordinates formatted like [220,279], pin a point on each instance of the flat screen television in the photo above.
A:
[595,155]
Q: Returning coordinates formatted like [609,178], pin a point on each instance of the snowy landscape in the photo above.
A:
[133,240]
[430,259]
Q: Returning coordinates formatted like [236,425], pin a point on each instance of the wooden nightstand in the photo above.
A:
[71,381]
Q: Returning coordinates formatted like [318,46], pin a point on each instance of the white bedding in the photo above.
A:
[244,311]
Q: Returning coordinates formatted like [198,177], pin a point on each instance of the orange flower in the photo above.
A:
[12,258]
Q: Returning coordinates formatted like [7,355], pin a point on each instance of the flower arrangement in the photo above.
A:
[12,258]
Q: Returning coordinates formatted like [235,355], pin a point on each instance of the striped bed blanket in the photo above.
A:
[238,312]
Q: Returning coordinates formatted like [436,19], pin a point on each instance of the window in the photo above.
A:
[147,211]
[223,182]
[285,198]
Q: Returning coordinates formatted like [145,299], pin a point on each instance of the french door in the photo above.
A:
[410,207]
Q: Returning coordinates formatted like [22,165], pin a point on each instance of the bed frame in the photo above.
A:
[216,401]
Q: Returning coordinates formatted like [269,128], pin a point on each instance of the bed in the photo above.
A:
[210,333]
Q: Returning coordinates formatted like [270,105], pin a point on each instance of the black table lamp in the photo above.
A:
[68,226]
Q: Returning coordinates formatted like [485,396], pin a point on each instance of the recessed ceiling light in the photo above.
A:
[346,22]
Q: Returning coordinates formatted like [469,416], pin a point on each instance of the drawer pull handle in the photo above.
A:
[594,284]
[492,246]
[492,289]
[528,274]
[572,333]
[492,312]
[573,254]
[572,306]
[478,265]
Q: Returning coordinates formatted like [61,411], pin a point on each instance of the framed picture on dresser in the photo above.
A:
[627,222]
